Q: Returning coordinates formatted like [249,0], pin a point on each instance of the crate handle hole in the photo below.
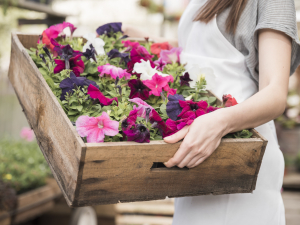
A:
[159,166]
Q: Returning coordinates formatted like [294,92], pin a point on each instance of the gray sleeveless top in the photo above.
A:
[259,14]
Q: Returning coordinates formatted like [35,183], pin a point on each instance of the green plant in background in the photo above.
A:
[22,166]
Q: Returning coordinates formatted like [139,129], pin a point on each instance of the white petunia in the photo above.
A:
[196,73]
[97,42]
[147,72]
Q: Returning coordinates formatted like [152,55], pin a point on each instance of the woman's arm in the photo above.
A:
[134,32]
[204,135]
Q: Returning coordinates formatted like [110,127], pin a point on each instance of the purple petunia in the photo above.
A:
[90,53]
[116,54]
[138,89]
[173,106]
[109,29]
[139,133]
[69,84]
[185,79]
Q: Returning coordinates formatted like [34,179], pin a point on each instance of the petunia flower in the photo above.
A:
[97,42]
[90,53]
[114,53]
[185,79]
[146,71]
[109,29]
[163,128]
[160,64]
[139,133]
[69,84]
[95,128]
[113,71]
[142,106]
[156,84]
[139,53]
[156,48]
[170,91]
[130,44]
[138,89]
[197,73]
[176,126]
[62,50]
[94,93]
[75,63]
[171,56]
[192,109]
[228,100]
[53,32]
[130,120]
[173,106]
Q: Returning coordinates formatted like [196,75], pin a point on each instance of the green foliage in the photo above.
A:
[113,42]
[240,134]
[22,165]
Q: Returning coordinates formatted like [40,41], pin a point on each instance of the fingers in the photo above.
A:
[201,160]
[177,136]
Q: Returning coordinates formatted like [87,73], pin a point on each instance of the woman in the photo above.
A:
[229,36]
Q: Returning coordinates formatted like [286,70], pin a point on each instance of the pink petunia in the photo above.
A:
[160,64]
[171,56]
[54,31]
[95,128]
[170,91]
[113,71]
[142,106]
[192,109]
[157,83]
[131,44]
[27,134]
[94,93]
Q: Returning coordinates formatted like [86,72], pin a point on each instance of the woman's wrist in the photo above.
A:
[224,120]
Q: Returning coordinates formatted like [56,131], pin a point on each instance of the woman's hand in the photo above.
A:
[201,139]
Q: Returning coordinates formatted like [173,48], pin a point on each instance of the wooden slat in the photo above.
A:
[143,220]
[121,172]
[292,180]
[145,208]
[57,138]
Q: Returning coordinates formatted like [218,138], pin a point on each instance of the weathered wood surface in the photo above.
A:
[57,138]
[33,203]
[143,220]
[107,173]
[292,181]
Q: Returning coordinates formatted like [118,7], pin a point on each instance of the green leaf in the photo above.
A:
[212,100]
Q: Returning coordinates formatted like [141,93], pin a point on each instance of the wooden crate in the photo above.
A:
[32,204]
[106,173]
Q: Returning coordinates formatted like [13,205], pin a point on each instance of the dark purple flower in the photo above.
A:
[109,29]
[185,79]
[75,64]
[139,133]
[160,64]
[64,51]
[47,52]
[90,53]
[163,128]
[43,58]
[173,106]
[68,84]
[138,89]
[116,54]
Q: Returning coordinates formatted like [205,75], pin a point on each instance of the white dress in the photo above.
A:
[205,46]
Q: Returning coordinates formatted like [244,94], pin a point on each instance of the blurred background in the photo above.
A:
[42,202]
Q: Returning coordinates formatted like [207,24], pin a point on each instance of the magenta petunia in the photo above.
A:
[157,83]
[142,106]
[113,71]
[139,133]
[170,91]
[130,120]
[192,109]
[95,128]
[177,125]
[211,109]
[138,89]
[159,123]
[76,64]
[160,64]
[139,53]
[131,44]
[94,93]
[171,56]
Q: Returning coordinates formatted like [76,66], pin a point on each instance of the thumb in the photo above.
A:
[177,136]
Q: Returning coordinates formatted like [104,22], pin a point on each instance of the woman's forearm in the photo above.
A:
[134,32]
[262,107]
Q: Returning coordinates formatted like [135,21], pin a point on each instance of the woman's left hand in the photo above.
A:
[201,139]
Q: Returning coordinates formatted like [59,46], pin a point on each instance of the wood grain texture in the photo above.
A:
[120,172]
[33,203]
[107,173]
[57,138]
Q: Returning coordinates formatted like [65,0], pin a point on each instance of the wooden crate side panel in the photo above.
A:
[57,138]
[121,173]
